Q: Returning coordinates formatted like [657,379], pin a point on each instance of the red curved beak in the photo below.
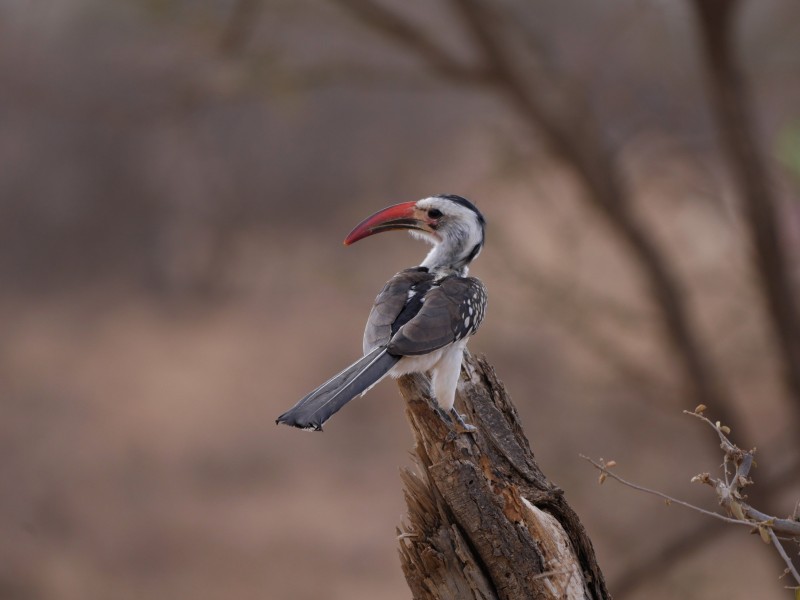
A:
[399,216]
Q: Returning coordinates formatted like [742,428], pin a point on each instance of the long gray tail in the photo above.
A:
[316,408]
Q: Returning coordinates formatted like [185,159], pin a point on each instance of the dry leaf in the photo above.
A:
[762,531]
[702,478]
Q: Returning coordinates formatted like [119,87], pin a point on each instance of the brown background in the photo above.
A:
[174,189]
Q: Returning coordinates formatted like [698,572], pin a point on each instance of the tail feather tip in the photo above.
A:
[291,422]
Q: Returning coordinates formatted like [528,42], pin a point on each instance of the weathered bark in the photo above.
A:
[483,520]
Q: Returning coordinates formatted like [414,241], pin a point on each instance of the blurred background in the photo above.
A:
[177,177]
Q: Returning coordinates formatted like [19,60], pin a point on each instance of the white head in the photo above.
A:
[454,226]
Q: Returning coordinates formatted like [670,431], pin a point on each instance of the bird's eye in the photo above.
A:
[434,213]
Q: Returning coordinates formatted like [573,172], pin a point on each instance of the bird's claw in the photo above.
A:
[456,422]
[460,425]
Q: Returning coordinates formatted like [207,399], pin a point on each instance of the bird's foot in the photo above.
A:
[459,424]
[456,423]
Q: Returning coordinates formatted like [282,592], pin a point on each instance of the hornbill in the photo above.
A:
[422,318]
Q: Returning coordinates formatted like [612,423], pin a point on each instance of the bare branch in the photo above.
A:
[761,521]
[698,537]
[740,144]
[729,491]
[571,133]
[604,470]
[406,34]
[573,136]
[782,551]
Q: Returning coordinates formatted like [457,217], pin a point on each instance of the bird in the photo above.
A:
[422,318]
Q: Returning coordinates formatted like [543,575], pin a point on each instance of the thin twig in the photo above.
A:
[779,547]
[670,499]
[756,517]
[729,493]
[726,444]
[695,539]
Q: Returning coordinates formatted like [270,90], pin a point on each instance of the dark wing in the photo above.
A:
[451,310]
[397,302]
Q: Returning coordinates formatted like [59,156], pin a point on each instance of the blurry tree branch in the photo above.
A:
[358,76]
[483,520]
[567,127]
[560,116]
[241,20]
[729,489]
[579,313]
[574,136]
[409,36]
[733,113]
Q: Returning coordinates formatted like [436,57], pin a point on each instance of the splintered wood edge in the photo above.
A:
[429,520]
[562,569]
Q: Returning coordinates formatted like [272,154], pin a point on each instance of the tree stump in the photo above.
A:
[483,520]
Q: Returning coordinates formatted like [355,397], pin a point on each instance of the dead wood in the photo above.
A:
[483,520]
